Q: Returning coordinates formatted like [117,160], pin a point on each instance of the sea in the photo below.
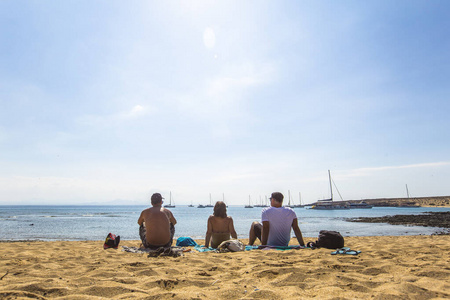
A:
[86,223]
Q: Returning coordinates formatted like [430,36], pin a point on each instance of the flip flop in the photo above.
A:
[345,250]
[341,250]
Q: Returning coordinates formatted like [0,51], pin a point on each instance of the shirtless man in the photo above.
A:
[277,222]
[220,226]
[156,225]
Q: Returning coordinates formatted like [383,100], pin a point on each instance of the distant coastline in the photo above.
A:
[435,201]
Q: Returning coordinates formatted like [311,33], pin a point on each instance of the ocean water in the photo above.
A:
[50,223]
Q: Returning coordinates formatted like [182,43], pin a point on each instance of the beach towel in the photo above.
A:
[202,248]
[186,241]
[293,247]
[253,247]
[161,251]
[136,250]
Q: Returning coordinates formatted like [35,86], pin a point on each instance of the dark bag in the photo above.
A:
[328,239]
[111,241]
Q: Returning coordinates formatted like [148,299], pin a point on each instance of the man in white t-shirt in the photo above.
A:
[277,222]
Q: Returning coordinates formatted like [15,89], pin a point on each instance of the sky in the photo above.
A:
[107,102]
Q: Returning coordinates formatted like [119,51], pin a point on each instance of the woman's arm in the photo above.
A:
[231,229]
[208,232]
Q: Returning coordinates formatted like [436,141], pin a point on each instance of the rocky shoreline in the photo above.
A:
[427,219]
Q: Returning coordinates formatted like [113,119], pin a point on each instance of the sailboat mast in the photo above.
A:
[331,187]
[289,193]
[407,192]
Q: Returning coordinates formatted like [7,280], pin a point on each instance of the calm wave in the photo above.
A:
[50,223]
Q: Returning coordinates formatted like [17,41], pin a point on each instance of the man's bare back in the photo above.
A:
[158,224]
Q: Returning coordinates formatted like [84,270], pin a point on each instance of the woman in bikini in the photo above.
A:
[220,226]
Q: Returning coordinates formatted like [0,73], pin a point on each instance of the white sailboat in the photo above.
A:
[261,204]
[249,203]
[170,202]
[210,202]
[289,201]
[300,201]
[328,203]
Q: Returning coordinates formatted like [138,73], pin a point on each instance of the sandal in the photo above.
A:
[345,250]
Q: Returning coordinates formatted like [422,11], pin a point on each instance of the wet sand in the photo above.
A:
[400,267]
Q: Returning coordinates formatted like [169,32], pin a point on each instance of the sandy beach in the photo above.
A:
[389,267]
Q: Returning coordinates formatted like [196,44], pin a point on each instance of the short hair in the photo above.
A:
[277,196]
[220,209]
[156,198]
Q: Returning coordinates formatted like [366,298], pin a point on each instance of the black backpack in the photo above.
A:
[328,239]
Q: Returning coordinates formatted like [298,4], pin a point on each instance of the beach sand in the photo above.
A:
[398,267]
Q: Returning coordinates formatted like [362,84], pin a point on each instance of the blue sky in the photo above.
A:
[106,102]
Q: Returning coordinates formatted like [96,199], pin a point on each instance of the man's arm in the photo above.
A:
[265,233]
[171,217]
[298,233]
[141,218]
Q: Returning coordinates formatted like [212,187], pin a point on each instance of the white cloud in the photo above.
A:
[135,112]
[369,171]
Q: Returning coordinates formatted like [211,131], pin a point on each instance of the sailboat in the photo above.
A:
[210,204]
[170,202]
[328,203]
[191,205]
[223,199]
[300,201]
[289,197]
[261,204]
[408,203]
[249,203]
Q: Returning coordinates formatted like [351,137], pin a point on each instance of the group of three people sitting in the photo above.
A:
[157,225]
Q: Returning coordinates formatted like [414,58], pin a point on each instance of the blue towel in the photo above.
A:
[267,247]
[186,241]
[204,249]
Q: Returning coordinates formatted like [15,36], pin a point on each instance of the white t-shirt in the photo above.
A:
[280,223]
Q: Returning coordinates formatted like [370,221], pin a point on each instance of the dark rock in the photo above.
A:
[431,219]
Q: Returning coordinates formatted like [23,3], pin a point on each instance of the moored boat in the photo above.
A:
[328,204]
